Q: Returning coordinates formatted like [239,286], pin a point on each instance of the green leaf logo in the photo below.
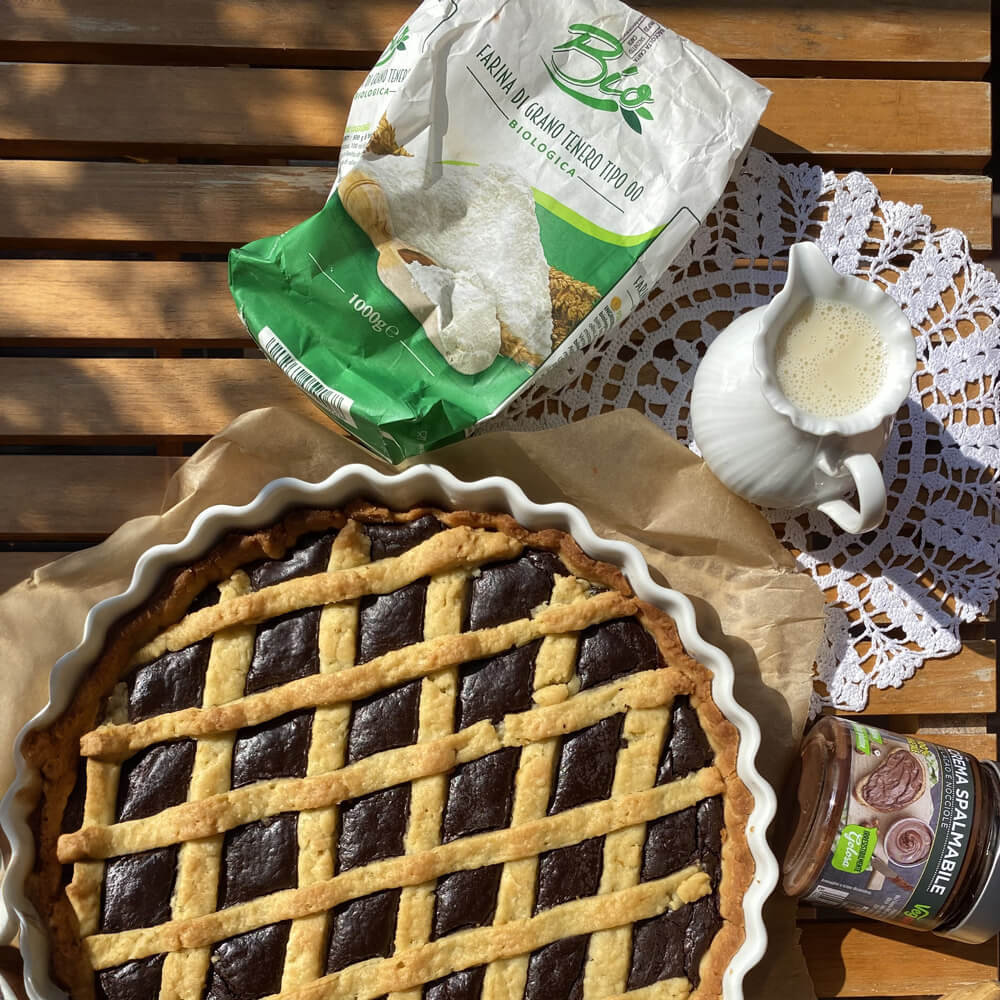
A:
[632,120]
[398,44]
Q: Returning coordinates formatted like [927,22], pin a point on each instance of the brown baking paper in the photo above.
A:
[631,479]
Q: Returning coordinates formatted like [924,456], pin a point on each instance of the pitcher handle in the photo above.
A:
[868,514]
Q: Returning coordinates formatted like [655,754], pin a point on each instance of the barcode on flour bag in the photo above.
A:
[514,177]
[337,403]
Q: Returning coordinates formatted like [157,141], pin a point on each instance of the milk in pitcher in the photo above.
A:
[830,359]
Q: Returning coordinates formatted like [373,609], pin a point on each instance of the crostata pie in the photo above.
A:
[365,754]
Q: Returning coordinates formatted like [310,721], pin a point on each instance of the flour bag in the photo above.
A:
[514,176]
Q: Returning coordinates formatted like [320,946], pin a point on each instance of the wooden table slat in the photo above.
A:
[914,122]
[868,959]
[907,32]
[59,496]
[981,745]
[300,112]
[214,207]
[124,399]
[181,107]
[159,303]
[186,205]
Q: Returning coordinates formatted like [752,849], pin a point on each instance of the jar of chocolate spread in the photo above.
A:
[896,828]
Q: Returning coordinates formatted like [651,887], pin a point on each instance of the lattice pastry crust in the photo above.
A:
[364,753]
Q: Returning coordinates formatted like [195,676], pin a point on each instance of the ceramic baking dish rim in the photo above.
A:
[420,484]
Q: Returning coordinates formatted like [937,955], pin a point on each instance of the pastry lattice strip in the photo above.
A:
[198,863]
[442,616]
[337,641]
[292,596]
[554,667]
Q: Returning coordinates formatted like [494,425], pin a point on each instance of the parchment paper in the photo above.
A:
[629,477]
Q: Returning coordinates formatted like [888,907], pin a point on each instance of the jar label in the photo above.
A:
[904,831]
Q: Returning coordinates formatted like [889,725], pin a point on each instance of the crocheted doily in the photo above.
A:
[896,595]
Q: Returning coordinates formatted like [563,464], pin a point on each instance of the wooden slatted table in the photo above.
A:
[140,141]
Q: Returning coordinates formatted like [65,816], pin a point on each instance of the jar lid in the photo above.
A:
[983,920]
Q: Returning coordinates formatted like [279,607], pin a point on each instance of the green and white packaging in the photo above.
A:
[514,176]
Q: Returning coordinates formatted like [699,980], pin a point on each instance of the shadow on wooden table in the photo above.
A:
[827,941]
[12,970]
[920,563]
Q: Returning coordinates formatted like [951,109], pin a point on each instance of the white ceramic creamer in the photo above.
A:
[793,402]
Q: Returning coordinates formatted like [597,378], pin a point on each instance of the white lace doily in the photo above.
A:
[895,596]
